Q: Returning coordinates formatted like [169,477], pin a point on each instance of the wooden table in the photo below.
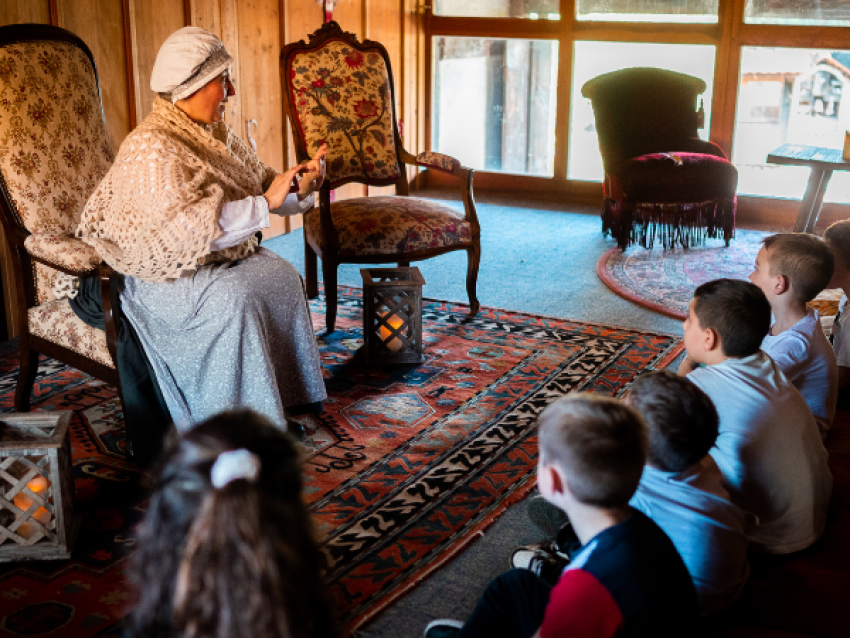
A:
[822,161]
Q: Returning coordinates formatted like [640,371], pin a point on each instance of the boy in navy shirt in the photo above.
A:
[627,579]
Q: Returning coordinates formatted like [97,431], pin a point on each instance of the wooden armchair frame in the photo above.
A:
[329,253]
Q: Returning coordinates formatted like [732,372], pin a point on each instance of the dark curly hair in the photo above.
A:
[236,561]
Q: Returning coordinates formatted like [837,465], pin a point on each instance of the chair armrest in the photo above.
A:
[438,161]
[63,252]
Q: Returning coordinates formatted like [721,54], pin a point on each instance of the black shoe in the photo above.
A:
[296,430]
[548,518]
[540,560]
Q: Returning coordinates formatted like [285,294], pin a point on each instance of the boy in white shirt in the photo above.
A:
[769,449]
[837,238]
[791,269]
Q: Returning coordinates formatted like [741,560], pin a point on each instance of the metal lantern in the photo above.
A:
[37,518]
[392,315]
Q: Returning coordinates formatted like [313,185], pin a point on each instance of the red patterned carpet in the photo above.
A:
[403,469]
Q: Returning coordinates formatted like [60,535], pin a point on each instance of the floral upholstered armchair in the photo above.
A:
[54,150]
[339,91]
[661,180]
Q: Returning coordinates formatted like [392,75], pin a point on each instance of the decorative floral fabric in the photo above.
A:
[341,96]
[69,252]
[56,322]
[438,161]
[54,148]
[391,225]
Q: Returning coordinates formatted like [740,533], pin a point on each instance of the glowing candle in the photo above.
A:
[395,344]
[23,502]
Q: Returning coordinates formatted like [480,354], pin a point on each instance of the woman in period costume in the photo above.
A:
[223,322]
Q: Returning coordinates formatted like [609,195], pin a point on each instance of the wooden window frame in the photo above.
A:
[729,35]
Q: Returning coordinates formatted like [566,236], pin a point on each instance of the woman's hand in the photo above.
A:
[314,175]
[280,186]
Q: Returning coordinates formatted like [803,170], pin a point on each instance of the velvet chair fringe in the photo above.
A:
[670,224]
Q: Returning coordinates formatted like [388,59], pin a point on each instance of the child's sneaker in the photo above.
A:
[540,560]
[443,628]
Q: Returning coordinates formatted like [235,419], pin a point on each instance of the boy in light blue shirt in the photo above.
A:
[681,489]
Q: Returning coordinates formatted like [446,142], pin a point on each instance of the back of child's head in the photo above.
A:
[226,548]
[804,259]
[681,421]
[598,443]
[837,237]
[737,311]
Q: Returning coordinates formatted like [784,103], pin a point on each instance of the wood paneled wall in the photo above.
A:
[125,35]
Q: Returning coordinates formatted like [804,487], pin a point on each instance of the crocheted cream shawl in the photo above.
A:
[155,213]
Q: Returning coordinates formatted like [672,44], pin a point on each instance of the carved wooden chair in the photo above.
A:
[54,150]
[340,91]
[660,177]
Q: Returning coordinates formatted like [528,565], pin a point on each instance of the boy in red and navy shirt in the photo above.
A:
[627,579]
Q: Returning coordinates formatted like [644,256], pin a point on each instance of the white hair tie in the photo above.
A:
[234,465]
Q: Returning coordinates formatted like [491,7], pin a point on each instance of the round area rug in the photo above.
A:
[664,281]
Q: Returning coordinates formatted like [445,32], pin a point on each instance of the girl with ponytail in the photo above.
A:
[226,549]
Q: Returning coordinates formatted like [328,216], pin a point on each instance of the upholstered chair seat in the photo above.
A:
[57,323]
[390,226]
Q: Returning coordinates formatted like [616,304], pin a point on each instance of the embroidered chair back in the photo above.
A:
[340,91]
[54,146]
[643,110]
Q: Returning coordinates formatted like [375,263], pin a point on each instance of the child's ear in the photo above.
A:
[558,482]
[781,285]
[711,339]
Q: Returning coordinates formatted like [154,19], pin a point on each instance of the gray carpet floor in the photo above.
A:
[534,259]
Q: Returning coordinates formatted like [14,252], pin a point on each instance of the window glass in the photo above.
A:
[790,96]
[494,103]
[595,58]
[531,9]
[648,10]
[830,13]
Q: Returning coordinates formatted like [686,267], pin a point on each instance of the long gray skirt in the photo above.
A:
[237,334]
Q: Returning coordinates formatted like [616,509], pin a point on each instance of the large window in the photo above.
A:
[494,103]
[798,96]
[507,74]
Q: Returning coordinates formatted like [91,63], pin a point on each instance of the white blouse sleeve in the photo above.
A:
[244,217]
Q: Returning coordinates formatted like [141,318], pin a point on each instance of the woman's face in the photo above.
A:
[206,105]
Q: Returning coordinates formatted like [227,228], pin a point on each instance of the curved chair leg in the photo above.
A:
[26,377]
[329,276]
[474,259]
[311,275]
[403,264]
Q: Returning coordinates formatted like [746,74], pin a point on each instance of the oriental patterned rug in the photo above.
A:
[664,281]
[403,469]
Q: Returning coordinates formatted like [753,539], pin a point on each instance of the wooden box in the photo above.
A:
[37,514]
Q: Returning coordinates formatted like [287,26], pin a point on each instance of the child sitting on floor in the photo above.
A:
[769,449]
[837,238]
[791,269]
[681,487]
[628,579]
[226,548]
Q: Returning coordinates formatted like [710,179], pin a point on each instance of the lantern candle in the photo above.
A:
[385,333]
[23,502]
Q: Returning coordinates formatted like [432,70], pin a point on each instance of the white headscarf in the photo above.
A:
[186,61]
